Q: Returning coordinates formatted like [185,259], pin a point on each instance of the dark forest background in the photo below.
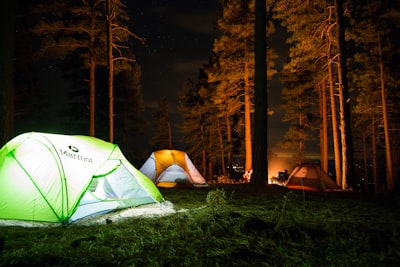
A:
[54,54]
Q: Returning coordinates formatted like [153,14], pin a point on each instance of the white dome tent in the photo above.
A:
[63,178]
[169,168]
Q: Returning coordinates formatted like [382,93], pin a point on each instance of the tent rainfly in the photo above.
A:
[310,177]
[169,168]
[60,178]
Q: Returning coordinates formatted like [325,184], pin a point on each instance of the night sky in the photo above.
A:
[179,36]
[179,39]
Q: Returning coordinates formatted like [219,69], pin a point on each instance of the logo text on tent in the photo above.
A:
[75,156]
[73,149]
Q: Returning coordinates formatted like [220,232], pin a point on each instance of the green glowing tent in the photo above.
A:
[60,178]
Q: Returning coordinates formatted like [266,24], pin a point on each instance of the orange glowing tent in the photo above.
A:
[310,177]
[169,168]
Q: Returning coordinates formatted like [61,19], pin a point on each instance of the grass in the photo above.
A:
[226,226]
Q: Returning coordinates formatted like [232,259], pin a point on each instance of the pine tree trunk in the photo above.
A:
[388,154]
[169,135]
[335,134]
[348,138]
[260,146]
[323,128]
[342,127]
[125,126]
[92,93]
[365,158]
[204,163]
[374,155]
[203,154]
[247,110]
[221,149]
[229,142]
[300,151]
[210,168]
[110,59]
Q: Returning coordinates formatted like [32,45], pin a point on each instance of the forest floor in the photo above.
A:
[220,225]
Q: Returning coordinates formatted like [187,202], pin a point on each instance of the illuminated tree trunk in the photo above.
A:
[203,154]
[342,127]
[323,127]
[388,154]
[212,147]
[203,150]
[347,139]
[335,135]
[110,59]
[203,163]
[300,152]
[229,141]
[221,148]
[247,110]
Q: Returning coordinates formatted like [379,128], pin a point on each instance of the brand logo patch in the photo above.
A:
[73,149]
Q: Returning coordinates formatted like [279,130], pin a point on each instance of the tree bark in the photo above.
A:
[92,90]
[221,148]
[323,128]
[169,134]
[388,154]
[247,111]
[229,142]
[342,127]
[110,15]
[300,151]
[365,159]
[346,98]
[203,153]
[336,150]
[260,144]
[374,155]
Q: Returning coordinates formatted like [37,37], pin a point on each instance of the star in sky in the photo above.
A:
[179,37]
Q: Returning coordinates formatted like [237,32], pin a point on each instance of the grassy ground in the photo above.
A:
[229,226]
